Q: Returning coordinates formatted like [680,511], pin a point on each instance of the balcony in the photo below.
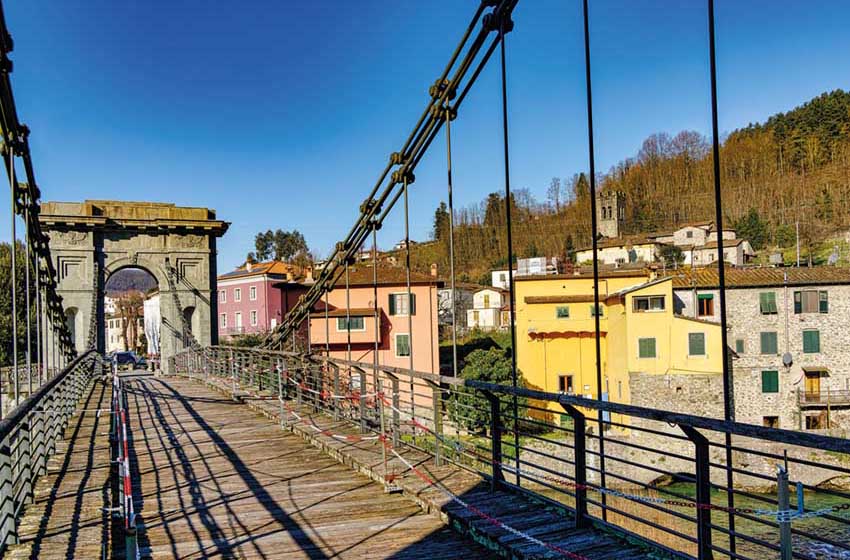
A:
[824,397]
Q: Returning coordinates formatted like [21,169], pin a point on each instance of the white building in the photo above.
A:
[153,322]
[499,279]
[463,298]
[486,312]
[115,334]
[736,252]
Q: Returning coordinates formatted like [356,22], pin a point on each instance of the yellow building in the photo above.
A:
[639,333]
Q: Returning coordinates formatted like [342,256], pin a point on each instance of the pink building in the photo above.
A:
[249,299]
[396,315]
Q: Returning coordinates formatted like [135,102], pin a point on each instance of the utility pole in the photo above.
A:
[797,227]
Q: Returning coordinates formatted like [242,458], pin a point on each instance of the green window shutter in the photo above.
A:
[767,303]
[646,347]
[392,304]
[696,344]
[402,342]
[413,304]
[811,342]
[798,302]
[562,312]
[768,343]
[739,346]
[770,381]
[823,302]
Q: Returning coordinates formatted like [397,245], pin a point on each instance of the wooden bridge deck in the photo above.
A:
[67,519]
[215,479]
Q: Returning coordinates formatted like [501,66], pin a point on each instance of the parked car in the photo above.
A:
[126,360]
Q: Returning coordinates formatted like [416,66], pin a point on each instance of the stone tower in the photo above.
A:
[610,213]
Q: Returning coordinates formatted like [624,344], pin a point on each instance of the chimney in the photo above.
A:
[248,266]
[434,270]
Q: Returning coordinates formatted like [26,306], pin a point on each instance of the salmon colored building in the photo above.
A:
[403,328]
[251,298]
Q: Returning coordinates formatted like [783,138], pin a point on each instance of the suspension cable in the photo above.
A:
[453,301]
[595,243]
[505,26]
[410,304]
[14,278]
[728,394]
[27,291]
[471,53]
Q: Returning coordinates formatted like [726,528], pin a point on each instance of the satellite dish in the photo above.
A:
[787,360]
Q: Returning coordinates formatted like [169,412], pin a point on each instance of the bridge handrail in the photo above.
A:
[21,411]
[28,437]
[777,435]
[462,421]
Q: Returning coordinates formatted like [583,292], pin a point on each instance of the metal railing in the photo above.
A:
[664,472]
[824,397]
[28,437]
[121,461]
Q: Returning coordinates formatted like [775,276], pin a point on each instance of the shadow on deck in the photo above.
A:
[214,479]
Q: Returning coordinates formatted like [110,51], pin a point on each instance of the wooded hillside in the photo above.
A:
[794,167]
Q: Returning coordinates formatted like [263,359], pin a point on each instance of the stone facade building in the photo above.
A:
[789,329]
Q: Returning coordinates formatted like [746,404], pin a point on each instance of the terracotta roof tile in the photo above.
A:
[387,275]
[760,277]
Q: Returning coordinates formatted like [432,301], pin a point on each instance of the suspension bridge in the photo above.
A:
[284,451]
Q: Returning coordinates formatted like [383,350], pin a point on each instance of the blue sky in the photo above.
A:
[281,114]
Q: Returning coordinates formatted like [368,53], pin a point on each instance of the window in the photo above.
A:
[503,277]
[768,343]
[648,303]
[354,324]
[646,348]
[222,296]
[815,423]
[238,316]
[562,312]
[596,308]
[565,384]
[252,293]
[224,320]
[253,318]
[486,300]
[237,294]
[767,303]
[475,317]
[705,305]
[696,344]
[398,304]
[770,381]
[689,234]
[402,345]
[811,341]
[739,345]
[770,421]
[811,301]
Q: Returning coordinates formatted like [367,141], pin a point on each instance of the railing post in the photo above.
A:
[8,526]
[496,440]
[232,374]
[785,543]
[703,476]
[396,399]
[436,403]
[580,462]
[337,402]
[299,392]
[362,376]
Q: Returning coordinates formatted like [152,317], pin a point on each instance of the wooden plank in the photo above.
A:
[67,519]
[216,478]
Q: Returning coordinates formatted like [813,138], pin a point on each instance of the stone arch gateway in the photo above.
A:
[91,240]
